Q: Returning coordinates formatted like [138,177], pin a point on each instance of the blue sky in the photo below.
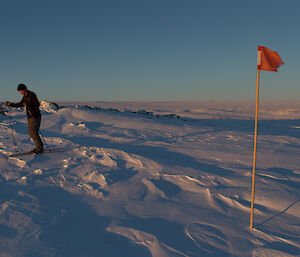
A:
[148,49]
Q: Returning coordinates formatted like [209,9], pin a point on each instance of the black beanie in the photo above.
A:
[21,87]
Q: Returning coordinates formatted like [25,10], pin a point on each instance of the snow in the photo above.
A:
[152,179]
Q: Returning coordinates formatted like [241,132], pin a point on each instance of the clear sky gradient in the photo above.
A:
[109,50]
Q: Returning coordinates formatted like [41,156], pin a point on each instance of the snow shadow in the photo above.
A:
[20,127]
[68,227]
[277,215]
[283,247]
[115,176]
[79,231]
[179,240]
[6,231]
[282,175]
[168,188]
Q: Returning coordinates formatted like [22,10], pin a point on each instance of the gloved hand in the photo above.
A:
[7,103]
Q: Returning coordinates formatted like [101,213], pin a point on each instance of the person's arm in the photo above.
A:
[20,104]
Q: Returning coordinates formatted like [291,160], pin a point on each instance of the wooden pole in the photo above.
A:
[255,147]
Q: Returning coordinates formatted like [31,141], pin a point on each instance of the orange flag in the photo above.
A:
[267,59]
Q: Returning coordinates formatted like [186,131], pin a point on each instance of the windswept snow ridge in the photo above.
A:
[126,182]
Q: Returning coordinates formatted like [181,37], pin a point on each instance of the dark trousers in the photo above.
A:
[33,128]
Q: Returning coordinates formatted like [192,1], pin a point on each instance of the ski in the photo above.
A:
[53,150]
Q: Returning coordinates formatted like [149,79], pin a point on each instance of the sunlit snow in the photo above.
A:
[151,179]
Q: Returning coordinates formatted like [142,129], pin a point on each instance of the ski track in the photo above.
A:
[137,185]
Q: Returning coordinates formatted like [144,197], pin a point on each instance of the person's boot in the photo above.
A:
[36,151]
[40,150]
[32,151]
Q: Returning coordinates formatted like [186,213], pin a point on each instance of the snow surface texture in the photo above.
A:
[152,179]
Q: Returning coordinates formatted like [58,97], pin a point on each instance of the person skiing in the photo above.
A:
[32,104]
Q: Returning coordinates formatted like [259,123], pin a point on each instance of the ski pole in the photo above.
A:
[12,129]
[45,142]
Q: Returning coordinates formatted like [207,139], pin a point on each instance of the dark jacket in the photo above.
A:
[31,103]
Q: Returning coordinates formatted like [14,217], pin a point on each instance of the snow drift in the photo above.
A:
[134,184]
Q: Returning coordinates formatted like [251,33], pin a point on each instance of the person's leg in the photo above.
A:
[33,128]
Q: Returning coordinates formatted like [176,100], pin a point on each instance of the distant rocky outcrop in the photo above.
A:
[48,106]
[1,110]
[149,114]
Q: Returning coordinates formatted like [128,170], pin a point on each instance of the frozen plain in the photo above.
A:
[152,179]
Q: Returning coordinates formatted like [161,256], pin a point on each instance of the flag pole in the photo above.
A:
[255,147]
